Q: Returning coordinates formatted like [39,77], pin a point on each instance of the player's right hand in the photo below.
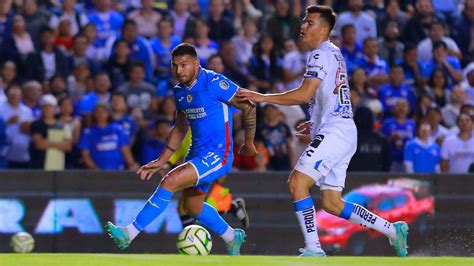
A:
[253,96]
[147,170]
[248,149]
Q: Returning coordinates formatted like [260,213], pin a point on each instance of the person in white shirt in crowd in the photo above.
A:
[180,15]
[18,118]
[365,24]
[458,150]
[146,18]
[243,44]
[468,86]
[451,111]
[438,131]
[437,33]
[77,19]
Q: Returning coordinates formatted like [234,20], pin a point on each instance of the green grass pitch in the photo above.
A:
[178,260]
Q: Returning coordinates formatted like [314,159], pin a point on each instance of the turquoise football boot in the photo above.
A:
[400,242]
[307,253]
[119,235]
[234,248]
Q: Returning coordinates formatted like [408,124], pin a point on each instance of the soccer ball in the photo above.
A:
[22,242]
[194,240]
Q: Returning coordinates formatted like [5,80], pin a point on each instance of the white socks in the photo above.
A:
[132,231]
[306,215]
[229,235]
[366,218]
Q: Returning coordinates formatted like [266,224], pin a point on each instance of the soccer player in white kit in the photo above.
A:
[334,137]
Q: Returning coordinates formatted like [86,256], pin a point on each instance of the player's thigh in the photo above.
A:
[209,168]
[193,200]
[181,177]
[324,152]
[299,181]
[336,178]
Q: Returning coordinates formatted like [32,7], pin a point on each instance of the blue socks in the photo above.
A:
[347,211]
[211,219]
[155,205]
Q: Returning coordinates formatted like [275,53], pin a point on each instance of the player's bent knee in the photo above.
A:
[170,182]
[331,206]
[193,208]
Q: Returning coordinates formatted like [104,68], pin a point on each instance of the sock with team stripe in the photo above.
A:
[155,205]
[211,219]
[360,215]
[306,214]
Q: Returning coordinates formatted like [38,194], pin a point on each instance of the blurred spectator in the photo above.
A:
[358,83]
[373,150]
[243,44]
[105,145]
[74,125]
[180,14]
[167,109]
[390,93]
[76,82]
[120,115]
[107,21]
[162,46]
[242,162]
[80,43]
[451,111]
[51,139]
[3,144]
[6,19]
[350,48]
[392,13]
[465,109]
[468,86]
[57,86]
[222,27]
[399,130]
[463,31]
[438,131]
[77,19]
[422,155]
[146,18]
[48,61]
[63,36]
[417,27]
[37,19]
[118,64]
[276,136]
[8,76]
[438,88]
[205,47]
[31,92]
[139,93]
[19,44]
[441,59]
[282,24]
[365,25]
[375,67]
[215,64]
[264,65]
[100,94]
[294,64]
[156,143]
[18,117]
[436,34]
[94,51]
[448,9]
[390,49]
[458,150]
[139,47]
[231,69]
[413,69]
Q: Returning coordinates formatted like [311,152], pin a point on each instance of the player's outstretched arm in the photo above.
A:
[176,137]
[300,95]
[249,117]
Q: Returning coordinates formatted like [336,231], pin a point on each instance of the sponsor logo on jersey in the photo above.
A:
[180,99]
[189,98]
[316,56]
[224,84]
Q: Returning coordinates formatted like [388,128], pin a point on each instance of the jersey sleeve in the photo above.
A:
[408,154]
[317,65]
[222,87]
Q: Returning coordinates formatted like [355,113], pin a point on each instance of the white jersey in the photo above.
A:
[330,108]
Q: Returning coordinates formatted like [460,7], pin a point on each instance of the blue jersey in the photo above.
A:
[406,131]
[205,104]
[128,124]
[390,95]
[108,24]
[424,157]
[104,145]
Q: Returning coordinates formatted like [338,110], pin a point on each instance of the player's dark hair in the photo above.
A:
[184,49]
[325,12]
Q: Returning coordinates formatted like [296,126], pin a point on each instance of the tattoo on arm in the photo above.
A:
[249,117]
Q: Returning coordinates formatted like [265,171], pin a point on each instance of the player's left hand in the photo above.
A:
[245,94]
[248,149]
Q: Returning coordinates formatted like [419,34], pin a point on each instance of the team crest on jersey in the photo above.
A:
[224,84]
[189,98]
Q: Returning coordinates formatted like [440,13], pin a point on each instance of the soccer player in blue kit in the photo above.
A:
[203,100]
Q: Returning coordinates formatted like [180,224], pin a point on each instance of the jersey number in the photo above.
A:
[210,159]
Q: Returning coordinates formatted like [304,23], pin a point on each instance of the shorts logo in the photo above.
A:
[189,98]
[316,141]
[312,73]
[224,84]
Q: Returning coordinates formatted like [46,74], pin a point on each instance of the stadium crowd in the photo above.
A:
[88,84]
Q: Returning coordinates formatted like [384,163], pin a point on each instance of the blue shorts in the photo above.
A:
[209,168]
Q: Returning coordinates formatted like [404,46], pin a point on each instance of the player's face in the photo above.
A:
[313,30]
[185,68]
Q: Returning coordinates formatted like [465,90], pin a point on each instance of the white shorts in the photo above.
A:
[327,157]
